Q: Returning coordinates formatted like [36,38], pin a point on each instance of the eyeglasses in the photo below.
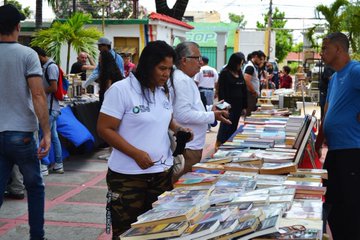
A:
[199,58]
[163,162]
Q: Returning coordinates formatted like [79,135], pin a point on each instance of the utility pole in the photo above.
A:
[103,4]
[269,25]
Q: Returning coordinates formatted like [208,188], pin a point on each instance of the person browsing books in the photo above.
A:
[341,128]
[188,107]
[134,119]
[232,89]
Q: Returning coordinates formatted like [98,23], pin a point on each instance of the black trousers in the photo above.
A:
[342,199]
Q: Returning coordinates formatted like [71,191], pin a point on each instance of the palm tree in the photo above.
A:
[333,15]
[70,32]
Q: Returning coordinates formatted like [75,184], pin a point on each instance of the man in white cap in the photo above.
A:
[104,44]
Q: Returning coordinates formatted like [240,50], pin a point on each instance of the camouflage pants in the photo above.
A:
[133,195]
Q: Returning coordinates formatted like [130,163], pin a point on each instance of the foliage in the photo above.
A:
[293,66]
[299,47]
[310,34]
[70,32]
[283,37]
[352,25]
[26,11]
[239,19]
[113,9]
[333,15]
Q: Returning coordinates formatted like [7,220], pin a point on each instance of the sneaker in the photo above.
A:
[44,170]
[17,196]
[58,168]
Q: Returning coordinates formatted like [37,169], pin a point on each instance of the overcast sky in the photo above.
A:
[252,10]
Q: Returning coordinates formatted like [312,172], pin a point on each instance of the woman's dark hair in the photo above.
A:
[154,53]
[109,71]
[234,60]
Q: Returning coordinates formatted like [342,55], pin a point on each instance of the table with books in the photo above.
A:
[251,188]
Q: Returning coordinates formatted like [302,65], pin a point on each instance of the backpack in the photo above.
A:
[62,83]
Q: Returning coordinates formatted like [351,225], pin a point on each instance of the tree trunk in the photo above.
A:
[176,12]
[68,58]
[38,14]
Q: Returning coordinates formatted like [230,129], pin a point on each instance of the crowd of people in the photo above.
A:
[169,89]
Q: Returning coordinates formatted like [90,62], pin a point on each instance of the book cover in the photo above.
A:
[215,213]
[193,178]
[198,230]
[243,228]
[278,168]
[208,166]
[224,228]
[312,171]
[156,216]
[242,167]
[155,231]
[288,233]
[304,177]
[267,226]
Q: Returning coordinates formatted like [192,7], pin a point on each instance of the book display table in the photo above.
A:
[251,188]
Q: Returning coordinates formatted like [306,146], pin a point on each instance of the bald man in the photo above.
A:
[81,65]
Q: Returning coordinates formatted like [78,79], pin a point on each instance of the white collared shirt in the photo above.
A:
[144,125]
[189,111]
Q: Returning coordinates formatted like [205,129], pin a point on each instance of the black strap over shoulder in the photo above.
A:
[46,72]
[48,81]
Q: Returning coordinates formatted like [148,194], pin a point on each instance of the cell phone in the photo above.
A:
[223,105]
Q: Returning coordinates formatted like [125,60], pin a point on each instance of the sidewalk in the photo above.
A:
[75,201]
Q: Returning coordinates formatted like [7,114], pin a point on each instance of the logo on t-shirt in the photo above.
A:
[208,73]
[141,108]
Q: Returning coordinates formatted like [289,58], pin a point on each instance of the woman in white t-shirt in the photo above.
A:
[134,119]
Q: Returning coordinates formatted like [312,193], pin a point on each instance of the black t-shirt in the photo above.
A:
[76,68]
[232,89]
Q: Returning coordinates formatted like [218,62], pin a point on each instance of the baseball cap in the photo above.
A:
[104,41]
[10,14]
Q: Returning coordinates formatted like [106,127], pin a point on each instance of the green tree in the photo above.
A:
[239,19]
[26,11]
[70,32]
[297,47]
[115,8]
[334,15]
[283,37]
[352,25]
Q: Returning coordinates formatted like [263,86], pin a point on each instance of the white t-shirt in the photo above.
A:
[189,111]
[143,125]
[207,77]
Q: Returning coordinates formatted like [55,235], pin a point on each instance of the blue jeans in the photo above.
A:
[209,95]
[20,148]
[55,142]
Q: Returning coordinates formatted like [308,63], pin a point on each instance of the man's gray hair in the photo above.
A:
[183,50]
[339,38]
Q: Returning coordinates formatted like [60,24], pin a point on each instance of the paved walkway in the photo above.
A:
[75,201]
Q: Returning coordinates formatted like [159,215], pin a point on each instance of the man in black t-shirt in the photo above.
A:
[81,65]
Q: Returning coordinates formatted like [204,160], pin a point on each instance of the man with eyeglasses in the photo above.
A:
[189,110]
[104,44]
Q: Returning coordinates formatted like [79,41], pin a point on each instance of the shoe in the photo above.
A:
[58,168]
[17,196]
[44,170]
